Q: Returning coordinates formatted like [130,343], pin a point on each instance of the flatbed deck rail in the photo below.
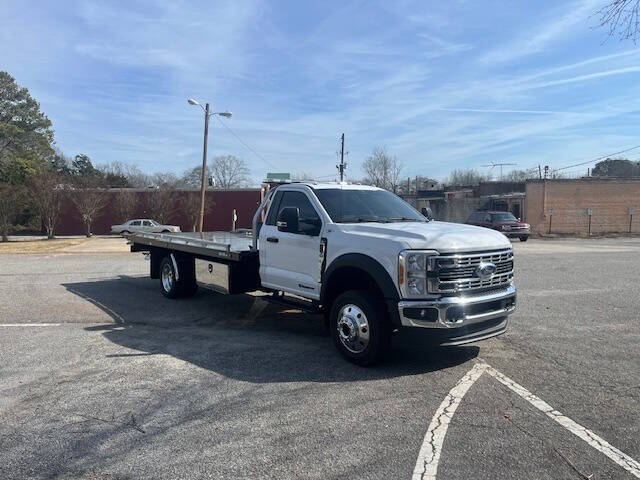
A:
[227,245]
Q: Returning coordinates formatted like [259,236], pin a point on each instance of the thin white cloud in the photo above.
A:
[587,77]
[549,31]
[494,110]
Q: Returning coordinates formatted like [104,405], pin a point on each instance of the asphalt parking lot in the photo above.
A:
[103,378]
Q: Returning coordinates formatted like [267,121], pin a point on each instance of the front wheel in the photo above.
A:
[360,327]
[524,238]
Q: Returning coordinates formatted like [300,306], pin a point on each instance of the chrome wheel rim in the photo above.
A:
[167,278]
[353,328]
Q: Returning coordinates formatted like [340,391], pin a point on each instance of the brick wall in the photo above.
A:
[219,217]
[610,200]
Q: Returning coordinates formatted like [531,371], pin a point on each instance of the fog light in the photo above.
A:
[455,314]
[427,314]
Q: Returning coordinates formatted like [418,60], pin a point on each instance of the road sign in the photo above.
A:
[589,211]
[632,211]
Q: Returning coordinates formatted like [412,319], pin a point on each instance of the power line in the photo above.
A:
[596,159]
[333,175]
[499,165]
[245,144]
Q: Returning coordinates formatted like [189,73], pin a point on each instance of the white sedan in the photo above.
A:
[143,226]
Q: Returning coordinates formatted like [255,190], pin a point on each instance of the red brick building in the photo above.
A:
[610,201]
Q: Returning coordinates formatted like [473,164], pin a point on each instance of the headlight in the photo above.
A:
[413,266]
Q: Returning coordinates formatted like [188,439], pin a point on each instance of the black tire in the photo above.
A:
[524,238]
[185,285]
[168,283]
[165,231]
[376,324]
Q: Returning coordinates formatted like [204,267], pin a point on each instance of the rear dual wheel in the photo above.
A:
[180,283]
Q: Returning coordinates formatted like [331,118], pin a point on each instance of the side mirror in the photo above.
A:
[288,220]
[427,213]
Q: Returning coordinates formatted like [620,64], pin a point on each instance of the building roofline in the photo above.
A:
[585,179]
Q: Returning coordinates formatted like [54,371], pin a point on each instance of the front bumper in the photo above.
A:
[516,233]
[464,318]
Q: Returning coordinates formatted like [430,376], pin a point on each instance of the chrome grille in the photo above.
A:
[457,272]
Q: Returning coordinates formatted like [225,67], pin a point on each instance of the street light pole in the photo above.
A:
[207,114]
[204,167]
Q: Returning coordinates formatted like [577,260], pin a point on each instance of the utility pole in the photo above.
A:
[342,165]
[207,114]
[204,167]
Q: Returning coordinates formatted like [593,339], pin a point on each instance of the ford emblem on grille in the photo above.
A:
[485,270]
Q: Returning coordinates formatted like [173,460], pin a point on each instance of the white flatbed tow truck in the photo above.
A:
[359,255]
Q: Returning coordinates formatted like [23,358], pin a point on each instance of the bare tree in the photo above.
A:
[47,193]
[192,177]
[11,199]
[383,170]
[469,177]
[89,200]
[301,176]
[230,171]
[622,18]
[125,203]
[162,203]
[520,175]
[191,206]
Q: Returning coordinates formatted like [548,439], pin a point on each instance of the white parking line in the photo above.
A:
[30,324]
[599,443]
[427,464]
[429,456]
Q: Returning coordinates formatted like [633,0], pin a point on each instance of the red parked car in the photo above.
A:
[504,222]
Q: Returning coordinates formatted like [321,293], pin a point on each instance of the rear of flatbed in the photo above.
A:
[222,261]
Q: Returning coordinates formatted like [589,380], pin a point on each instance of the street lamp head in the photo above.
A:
[225,114]
[193,101]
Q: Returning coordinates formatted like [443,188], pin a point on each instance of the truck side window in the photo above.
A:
[273,209]
[309,220]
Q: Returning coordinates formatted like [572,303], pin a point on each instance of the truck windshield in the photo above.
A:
[355,206]
[503,217]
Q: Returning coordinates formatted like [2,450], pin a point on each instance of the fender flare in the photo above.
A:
[368,265]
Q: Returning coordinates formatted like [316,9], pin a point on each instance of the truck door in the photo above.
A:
[289,261]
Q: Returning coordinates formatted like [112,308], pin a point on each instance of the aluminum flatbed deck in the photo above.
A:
[228,245]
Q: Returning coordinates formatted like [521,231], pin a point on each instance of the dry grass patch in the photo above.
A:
[40,246]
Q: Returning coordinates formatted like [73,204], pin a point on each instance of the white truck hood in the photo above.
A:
[442,236]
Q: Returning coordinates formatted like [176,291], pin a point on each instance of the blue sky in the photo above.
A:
[442,85]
